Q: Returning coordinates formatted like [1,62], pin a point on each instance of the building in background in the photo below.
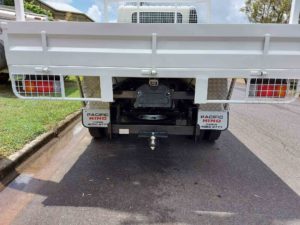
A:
[63,11]
[8,13]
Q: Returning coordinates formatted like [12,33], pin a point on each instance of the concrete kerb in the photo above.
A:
[10,163]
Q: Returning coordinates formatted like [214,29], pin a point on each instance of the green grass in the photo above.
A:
[23,120]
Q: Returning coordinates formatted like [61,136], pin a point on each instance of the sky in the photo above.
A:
[223,11]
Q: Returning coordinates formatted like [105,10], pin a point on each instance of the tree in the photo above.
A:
[267,11]
[31,6]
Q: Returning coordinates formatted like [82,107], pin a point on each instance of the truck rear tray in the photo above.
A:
[197,51]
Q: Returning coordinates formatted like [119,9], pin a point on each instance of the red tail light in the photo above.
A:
[39,86]
[271,90]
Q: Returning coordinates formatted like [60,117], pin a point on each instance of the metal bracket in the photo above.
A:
[154,52]
[267,43]
[258,73]
[201,88]
[106,89]
[41,69]
[149,72]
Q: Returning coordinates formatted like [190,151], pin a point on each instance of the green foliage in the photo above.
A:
[9,2]
[37,9]
[267,11]
[31,6]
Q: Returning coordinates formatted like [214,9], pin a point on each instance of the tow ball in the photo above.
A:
[153,142]
[153,138]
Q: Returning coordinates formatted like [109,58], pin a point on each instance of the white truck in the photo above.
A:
[8,13]
[156,68]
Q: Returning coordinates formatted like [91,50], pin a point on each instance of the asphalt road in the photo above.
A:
[250,176]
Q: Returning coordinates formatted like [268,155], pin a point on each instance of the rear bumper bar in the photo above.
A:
[138,129]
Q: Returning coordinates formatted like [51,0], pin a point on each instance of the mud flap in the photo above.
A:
[95,117]
[213,120]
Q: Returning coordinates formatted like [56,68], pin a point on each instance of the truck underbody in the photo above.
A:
[154,108]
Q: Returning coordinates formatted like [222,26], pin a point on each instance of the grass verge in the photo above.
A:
[23,120]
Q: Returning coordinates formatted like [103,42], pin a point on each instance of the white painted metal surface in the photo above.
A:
[295,12]
[135,48]
[20,14]
[200,52]
[153,50]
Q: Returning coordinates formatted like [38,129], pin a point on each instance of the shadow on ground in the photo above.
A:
[184,183]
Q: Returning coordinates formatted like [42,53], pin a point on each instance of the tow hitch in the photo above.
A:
[153,138]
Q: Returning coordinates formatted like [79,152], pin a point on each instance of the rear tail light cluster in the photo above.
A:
[41,85]
[268,88]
